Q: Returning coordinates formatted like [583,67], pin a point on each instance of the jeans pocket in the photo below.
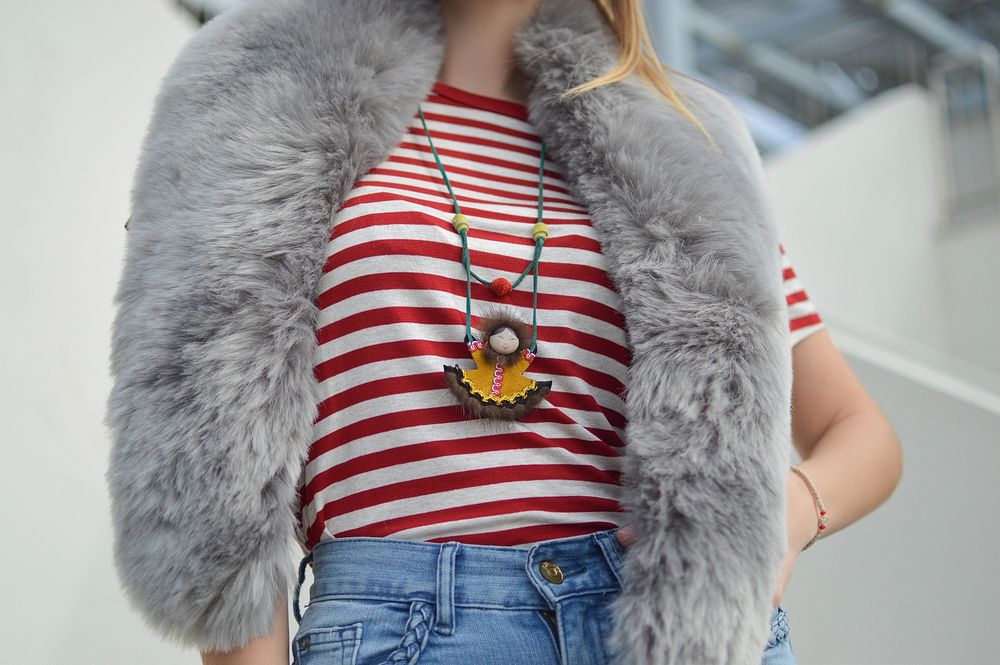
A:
[327,644]
[338,630]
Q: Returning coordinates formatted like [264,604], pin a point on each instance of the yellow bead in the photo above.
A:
[460,222]
[540,229]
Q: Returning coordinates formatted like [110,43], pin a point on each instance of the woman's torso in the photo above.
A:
[393,454]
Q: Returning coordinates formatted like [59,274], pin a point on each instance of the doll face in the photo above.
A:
[504,340]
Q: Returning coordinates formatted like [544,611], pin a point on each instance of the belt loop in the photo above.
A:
[608,542]
[298,586]
[445,610]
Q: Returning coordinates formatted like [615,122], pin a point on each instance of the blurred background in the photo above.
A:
[879,123]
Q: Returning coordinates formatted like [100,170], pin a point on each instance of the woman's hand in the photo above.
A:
[270,648]
[801,529]
[626,535]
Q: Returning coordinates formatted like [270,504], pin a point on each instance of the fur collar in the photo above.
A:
[265,120]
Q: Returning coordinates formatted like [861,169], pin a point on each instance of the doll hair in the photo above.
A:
[495,321]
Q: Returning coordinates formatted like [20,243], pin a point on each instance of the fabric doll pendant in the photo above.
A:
[497,387]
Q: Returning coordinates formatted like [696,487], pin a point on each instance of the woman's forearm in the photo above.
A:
[855,465]
[268,649]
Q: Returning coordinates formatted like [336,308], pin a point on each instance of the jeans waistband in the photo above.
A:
[452,573]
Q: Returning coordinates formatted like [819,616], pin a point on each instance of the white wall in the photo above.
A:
[913,305]
[862,213]
[915,582]
[77,80]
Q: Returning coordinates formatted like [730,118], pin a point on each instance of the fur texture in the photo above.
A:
[261,126]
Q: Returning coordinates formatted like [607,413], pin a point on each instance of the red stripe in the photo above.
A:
[480,259]
[803,321]
[413,348]
[469,206]
[440,415]
[446,208]
[553,181]
[431,184]
[356,394]
[455,349]
[483,162]
[406,385]
[414,383]
[509,198]
[438,135]
[372,426]
[480,101]
[448,316]
[563,240]
[528,534]
[376,283]
[452,119]
[564,400]
[796,297]
[426,416]
[409,489]
[552,504]
[417,452]
[612,438]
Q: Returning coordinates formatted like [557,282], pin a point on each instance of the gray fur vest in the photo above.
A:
[262,125]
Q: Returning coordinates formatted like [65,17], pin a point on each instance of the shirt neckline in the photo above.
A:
[484,102]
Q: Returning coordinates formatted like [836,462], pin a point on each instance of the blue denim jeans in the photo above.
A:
[378,601]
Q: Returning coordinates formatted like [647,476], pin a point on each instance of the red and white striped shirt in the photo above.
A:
[393,455]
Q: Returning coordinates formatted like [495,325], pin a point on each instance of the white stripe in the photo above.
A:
[413,434]
[453,164]
[419,433]
[569,222]
[347,416]
[373,300]
[468,496]
[417,147]
[417,364]
[466,462]
[802,333]
[518,231]
[429,399]
[481,115]
[492,523]
[462,186]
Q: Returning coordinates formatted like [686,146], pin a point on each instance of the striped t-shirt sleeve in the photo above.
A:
[803,317]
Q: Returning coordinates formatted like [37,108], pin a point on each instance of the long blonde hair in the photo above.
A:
[636,54]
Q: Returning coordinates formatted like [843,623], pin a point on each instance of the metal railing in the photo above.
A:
[966,89]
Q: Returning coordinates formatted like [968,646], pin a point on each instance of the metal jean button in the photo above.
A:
[551,572]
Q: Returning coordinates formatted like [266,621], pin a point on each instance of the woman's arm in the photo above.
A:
[847,445]
[268,649]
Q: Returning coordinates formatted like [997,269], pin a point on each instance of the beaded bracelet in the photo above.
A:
[821,527]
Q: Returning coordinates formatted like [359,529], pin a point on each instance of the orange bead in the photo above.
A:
[500,286]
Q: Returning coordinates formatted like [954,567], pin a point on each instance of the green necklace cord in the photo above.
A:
[539,232]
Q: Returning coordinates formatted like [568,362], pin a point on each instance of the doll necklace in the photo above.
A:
[496,387]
